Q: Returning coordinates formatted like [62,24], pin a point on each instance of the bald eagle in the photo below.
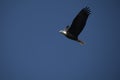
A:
[77,25]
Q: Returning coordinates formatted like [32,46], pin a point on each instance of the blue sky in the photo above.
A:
[31,48]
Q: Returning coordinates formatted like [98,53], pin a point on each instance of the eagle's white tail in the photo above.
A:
[81,42]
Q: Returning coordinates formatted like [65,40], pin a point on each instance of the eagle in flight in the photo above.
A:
[77,25]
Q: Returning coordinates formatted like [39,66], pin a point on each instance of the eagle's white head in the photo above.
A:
[64,32]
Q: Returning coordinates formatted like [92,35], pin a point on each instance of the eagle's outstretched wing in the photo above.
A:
[79,22]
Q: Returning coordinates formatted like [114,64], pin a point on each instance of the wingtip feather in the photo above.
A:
[87,9]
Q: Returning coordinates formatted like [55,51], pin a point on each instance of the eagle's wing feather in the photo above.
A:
[79,22]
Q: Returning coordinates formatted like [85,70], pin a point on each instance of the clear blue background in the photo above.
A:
[31,48]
